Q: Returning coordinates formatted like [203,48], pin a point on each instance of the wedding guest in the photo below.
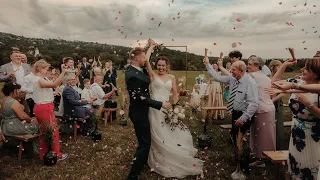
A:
[114,76]
[44,108]
[74,106]
[265,69]
[85,67]
[86,93]
[98,93]
[106,84]
[243,101]
[24,58]
[14,120]
[28,88]
[263,129]
[15,70]
[226,91]
[304,146]
[274,65]
[235,56]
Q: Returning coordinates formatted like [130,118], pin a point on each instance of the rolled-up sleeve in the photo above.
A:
[252,100]
[216,76]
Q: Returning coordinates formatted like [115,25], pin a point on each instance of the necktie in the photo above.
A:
[232,97]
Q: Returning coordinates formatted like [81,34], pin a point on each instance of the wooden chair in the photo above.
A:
[24,138]
[108,114]
[278,158]
[65,119]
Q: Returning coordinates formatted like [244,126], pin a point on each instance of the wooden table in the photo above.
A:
[278,158]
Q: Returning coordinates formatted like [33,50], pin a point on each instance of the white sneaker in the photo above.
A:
[63,157]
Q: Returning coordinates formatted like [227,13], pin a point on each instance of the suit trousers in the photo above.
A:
[244,162]
[143,134]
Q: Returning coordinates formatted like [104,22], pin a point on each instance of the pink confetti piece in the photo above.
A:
[194,165]
[234,28]
[125,37]
[119,30]
[178,17]
[305,48]
[214,44]
[140,33]
[70,137]
[169,5]
[119,12]
[137,40]
[149,29]
[315,31]
[152,19]
[178,13]
[172,1]
[234,45]
[240,43]
[174,18]
[78,126]
[238,19]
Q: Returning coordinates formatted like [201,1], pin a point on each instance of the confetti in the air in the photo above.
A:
[234,45]
[152,19]
[240,43]
[140,33]
[159,24]
[305,48]
[238,19]
[214,44]
[178,13]
[116,18]
[280,3]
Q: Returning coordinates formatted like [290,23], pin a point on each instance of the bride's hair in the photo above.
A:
[163,58]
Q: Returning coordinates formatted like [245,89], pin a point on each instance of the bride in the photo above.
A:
[172,152]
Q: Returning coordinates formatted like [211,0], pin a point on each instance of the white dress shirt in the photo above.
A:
[29,81]
[42,95]
[19,73]
[98,93]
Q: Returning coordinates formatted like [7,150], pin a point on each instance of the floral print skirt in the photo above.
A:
[304,151]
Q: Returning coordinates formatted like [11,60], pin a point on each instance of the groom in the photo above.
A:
[137,82]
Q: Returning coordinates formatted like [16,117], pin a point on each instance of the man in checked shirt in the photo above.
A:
[243,101]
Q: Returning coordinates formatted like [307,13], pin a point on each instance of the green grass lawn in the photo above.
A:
[111,158]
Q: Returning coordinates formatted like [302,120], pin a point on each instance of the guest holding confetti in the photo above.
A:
[44,108]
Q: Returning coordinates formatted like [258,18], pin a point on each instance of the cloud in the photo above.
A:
[262,30]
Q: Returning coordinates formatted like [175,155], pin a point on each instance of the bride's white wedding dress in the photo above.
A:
[172,152]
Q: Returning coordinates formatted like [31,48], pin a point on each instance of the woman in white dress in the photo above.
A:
[172,152]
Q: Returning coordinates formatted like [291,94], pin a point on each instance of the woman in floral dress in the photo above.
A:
[304,147]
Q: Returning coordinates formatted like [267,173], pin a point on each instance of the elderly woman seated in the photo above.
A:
[14,120]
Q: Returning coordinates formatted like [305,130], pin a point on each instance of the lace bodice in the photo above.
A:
[160,90]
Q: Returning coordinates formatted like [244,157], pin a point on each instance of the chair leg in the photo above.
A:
[286,173]
[106,115]
[110,117]
[20,151]
[75,131]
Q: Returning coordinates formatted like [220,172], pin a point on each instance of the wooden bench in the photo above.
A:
[24,138]
[75,124]
[107,112]
[229,126]
[278,158]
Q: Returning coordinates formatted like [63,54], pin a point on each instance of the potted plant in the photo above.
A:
[50,158]
[182,85]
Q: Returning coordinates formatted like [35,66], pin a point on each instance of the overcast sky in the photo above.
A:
[262,30]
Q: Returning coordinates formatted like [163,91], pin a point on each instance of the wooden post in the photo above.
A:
[20,151]
[75,130]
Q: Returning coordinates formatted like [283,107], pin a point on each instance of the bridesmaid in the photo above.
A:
[44,108]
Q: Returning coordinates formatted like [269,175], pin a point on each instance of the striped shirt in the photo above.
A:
[246,99]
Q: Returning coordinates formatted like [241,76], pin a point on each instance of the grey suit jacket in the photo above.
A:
[6,69]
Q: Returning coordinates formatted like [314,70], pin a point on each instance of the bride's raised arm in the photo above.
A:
[152,44]
[175,97]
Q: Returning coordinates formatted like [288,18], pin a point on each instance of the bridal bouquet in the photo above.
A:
[173,117]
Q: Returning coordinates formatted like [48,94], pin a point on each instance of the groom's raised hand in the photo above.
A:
[166,105]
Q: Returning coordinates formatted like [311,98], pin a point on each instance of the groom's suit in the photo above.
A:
[137,83]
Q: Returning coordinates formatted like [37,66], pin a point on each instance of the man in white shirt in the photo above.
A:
[15,70]
[98,93]
[27,86]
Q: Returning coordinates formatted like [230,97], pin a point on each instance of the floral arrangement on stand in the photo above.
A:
[194,103]
[182,84]
[50,158]
[173,117]
[124,101]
